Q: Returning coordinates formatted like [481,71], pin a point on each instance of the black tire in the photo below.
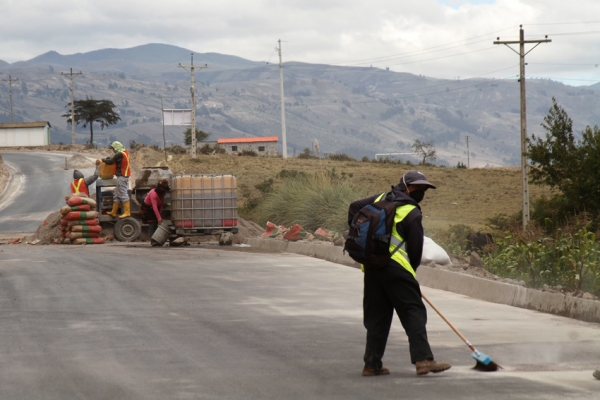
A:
[127,229]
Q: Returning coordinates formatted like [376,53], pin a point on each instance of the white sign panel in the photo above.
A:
[177,117]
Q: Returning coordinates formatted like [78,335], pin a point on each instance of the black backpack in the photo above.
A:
[368,240]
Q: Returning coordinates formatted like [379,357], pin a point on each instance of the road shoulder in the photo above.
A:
[478,288]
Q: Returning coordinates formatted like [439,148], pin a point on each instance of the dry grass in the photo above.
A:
[464,196]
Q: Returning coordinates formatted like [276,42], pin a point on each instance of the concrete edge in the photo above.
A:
[478,288]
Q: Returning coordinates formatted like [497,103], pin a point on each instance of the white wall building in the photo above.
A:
[263,146]
[25,134]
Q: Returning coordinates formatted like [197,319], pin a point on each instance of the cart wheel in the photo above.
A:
[127,229]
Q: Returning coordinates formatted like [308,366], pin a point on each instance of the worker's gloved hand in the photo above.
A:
[160,221]
[97,162]
[106,159]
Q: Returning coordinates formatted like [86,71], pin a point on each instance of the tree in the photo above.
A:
[425,150]
[89,111]
[566,164]
[200,136]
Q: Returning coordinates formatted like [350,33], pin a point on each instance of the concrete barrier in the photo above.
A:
[478,288]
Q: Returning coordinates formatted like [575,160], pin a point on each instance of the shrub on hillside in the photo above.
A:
[319,200]
[248,153]
[341,157]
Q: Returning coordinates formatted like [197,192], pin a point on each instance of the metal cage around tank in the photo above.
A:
[203,203]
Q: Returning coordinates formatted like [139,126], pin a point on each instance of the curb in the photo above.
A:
[478,288]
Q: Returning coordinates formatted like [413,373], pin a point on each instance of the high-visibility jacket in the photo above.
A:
[397,244]
[79,186]
[125,170]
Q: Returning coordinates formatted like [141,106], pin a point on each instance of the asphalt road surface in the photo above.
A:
[38,188]
[124,322]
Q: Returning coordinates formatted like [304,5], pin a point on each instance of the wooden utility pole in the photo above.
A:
[283,134]
[10,81]
[524,167]
[71,74]
[192,92]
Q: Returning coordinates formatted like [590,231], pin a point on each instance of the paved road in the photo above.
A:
[119,322]
[38,188]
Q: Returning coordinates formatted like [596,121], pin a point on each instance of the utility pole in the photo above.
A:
[524,167]
[10,81]
[468,153]
[162,117]
[193,128]
[71,74]
[283,135]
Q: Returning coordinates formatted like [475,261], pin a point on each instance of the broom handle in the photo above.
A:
[449,324]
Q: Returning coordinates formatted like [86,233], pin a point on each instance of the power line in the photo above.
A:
[429,48]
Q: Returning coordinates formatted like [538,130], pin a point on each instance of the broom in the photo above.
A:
[484,362]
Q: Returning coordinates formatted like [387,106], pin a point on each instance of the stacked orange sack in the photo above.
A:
[80,224]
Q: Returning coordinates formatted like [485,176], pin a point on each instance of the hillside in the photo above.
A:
[464,196]
[359,111]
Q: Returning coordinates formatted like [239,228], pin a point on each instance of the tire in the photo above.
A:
[127,229]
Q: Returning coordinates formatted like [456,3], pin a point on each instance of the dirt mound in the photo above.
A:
[79,162]
[47,231]
[247,229]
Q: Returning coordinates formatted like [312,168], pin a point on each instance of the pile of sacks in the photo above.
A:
[80,224]
[294,233]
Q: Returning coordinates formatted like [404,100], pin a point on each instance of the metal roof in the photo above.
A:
[41,124]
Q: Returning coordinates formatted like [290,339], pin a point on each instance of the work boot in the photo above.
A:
[114,211]
[375,371]
[427,366]
[596,374]
[126,209]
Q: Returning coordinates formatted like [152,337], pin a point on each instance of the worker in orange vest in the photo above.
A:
[123,172]
[81,184]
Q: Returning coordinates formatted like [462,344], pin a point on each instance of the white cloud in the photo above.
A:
[318,31]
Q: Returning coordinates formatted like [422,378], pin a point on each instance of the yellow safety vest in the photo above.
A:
[397,244]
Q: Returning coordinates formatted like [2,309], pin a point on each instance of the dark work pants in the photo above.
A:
[387,289]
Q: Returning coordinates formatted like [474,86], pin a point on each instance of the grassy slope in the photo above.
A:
[478,193]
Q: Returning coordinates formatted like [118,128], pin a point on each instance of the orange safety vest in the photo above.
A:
[79,186]
[125,170]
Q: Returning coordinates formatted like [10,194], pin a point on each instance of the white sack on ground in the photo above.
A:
[433,252]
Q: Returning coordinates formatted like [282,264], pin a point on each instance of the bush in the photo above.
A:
[208,149]
[569,257]
[176,149]
[454,239]
[248,153]
[307,154]
[319,200]
[341,157]
[365,159]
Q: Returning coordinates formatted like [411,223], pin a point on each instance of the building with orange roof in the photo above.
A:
[263,146]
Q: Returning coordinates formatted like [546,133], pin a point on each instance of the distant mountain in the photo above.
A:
[3,63]
[146,55]
[353,110]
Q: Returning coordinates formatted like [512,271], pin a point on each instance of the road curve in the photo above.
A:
[37,188]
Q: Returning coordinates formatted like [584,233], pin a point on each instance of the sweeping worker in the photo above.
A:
[81,184]
[394,286]
[153,204]
[123,171]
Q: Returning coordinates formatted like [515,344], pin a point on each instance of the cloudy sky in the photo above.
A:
[439,38]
